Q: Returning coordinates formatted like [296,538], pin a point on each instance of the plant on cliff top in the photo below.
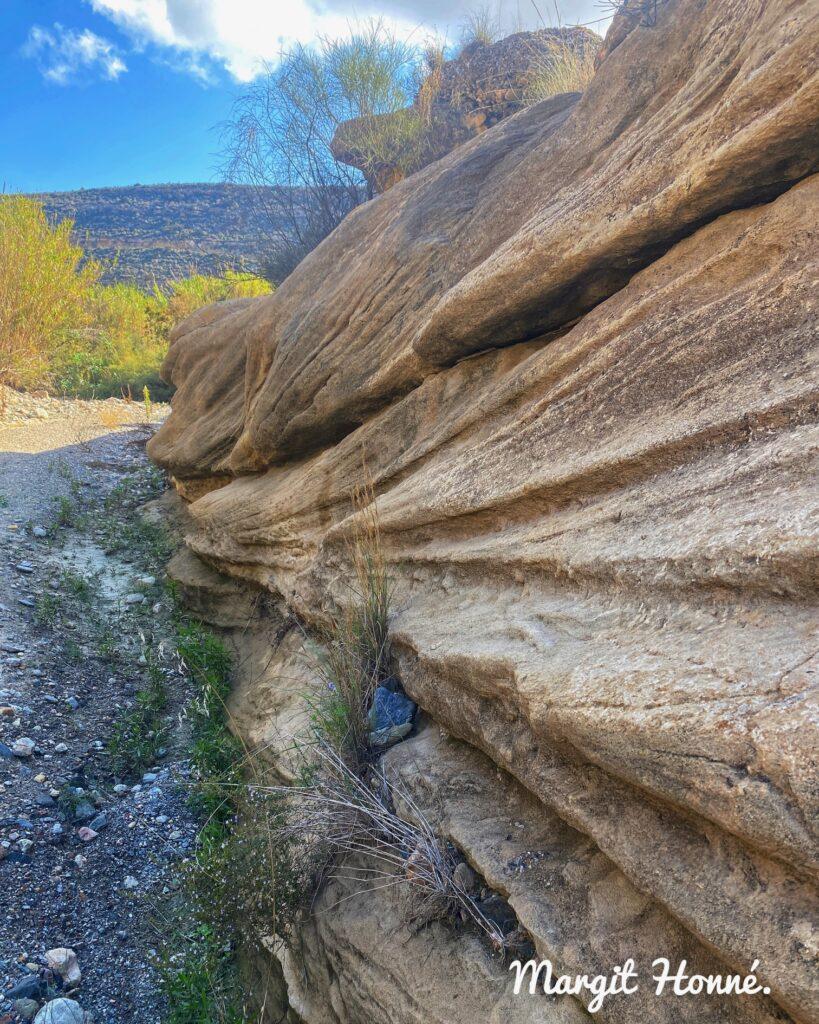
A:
[481,25]
[280,136]
[565,69]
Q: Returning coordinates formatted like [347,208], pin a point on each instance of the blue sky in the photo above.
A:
[114,92]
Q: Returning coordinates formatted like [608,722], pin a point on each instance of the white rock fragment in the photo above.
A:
[63,961]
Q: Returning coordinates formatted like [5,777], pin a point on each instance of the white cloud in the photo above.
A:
[238,34]
[199,36]
[66,55]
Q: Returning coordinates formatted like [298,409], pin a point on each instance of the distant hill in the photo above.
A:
[156,232]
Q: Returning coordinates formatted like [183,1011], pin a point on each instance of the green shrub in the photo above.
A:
[63,330]
[121,350]
[198,983]
[44,286]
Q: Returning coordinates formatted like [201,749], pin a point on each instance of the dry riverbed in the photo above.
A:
[94,822]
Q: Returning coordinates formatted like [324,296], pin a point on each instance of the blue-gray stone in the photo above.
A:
[84,811]
[60,1011]
[27,988]
[386,737]
[389,709]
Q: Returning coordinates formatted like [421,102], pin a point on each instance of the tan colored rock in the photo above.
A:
[602,538]
[603,556]
[581,911]
[513,234]
[63,961]
[205,376]
[355,960]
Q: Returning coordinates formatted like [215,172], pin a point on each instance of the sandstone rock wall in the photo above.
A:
[576,361]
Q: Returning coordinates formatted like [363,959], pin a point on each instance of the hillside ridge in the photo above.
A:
[148,233]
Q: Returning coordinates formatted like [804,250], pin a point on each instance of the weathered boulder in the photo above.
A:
[355,961]
[463,97]
[513,234]
[583,914]
[601,526]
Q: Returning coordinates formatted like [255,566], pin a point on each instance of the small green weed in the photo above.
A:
[216,753]
[76,585]
[149,541]
[47,608]
[73,652]
[69,800]
[107,645]
[67,513]
[198,983]
[139,734]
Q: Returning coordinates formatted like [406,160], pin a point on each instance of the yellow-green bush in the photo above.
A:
[121,348]
[181,298]
[61,329]
[44,287]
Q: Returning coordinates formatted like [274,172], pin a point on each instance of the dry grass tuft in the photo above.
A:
[564,70]
[352,821]
[355,651]
[113,418]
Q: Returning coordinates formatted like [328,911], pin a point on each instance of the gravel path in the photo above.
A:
[81,599]
[32,451]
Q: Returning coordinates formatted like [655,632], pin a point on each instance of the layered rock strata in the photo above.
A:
[575,360]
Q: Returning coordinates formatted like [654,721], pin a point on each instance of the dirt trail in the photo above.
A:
[81,602]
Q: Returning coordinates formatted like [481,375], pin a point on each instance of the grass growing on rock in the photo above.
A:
[340,819]
[566,69]
[265,849]
[354,654]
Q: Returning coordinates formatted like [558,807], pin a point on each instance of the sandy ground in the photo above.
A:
[102,897]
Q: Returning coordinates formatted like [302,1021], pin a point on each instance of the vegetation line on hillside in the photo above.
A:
[61,329]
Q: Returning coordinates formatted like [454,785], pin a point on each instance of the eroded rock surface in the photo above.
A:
[514,233]
[601,525]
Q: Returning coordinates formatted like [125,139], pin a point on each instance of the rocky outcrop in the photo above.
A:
[514,234]
[575,360]
[463,97]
